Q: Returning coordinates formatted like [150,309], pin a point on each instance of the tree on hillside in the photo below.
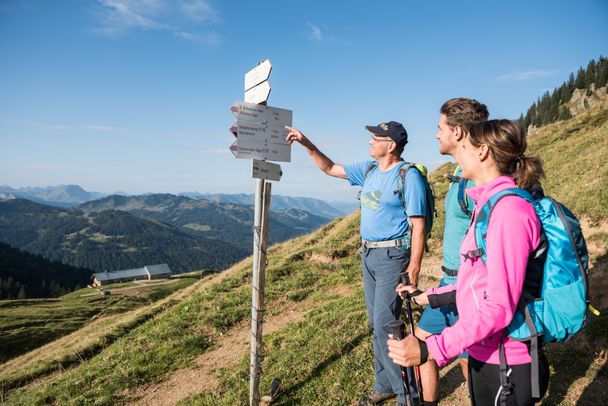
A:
[602,72]
[590,73]
[570,82]
[23,275]
[565,93]
[550,106]
[579,82]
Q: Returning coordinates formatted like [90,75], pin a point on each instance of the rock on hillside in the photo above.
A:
[584,99]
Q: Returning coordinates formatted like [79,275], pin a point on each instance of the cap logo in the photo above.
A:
[384,126]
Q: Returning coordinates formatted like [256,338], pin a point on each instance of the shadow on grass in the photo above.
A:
[597,392]
[316,372]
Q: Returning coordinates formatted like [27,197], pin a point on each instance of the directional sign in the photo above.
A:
[265,170]
[245,149]
[260,132]
[261,114]
[258,94]
[258,74]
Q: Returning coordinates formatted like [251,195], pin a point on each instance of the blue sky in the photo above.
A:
[134,96]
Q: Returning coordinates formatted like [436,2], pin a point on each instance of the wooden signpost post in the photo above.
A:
[260,136]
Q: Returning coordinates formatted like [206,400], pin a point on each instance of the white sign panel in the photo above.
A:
[258,74]
[256,132]
[258,94]
[265,170]
[262,114]
[245,149]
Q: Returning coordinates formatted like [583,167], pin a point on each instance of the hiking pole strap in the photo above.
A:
[534,367]
[534,353]
[506,388]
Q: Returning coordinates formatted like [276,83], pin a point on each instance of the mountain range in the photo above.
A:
[61,195]
[73,195]
[119,232]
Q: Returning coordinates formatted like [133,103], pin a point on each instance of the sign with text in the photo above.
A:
[246,149]
[258,132]
[258,74]
[261,114]
[265,170]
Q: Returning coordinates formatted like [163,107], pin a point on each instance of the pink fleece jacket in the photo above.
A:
[487,295]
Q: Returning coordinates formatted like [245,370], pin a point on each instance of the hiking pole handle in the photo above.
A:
[405,278]
[405,281]
[397,329]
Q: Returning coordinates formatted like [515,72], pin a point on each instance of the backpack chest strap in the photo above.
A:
[476,253]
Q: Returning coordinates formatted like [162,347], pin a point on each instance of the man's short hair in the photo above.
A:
[462,112]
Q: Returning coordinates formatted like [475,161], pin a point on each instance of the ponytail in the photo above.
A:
[528,172]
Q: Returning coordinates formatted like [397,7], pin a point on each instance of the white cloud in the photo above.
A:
[187,19]
[64,127]
[315,33]
[319,34]
[210,39]
[198,10]
[42,166]
[103,128]
[527,75]
[58,127]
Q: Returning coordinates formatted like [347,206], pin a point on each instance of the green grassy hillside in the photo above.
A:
[194,349]
[575,158]
[28,324]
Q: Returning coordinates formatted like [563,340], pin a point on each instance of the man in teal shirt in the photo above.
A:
[457,115]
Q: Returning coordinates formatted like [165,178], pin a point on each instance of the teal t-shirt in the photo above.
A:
[382,216]
[456,224]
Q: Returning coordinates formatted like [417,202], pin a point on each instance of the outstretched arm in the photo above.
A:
[320,159]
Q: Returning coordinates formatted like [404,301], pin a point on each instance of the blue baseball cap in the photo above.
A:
[394,130]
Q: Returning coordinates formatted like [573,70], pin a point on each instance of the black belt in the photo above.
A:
[449,272]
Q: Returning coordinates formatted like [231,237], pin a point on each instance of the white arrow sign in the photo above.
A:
[261,114]
[257,132]
[265,170]
[258,74]
[246,149]
[258,94]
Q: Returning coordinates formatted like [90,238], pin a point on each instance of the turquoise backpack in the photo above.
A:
[555,298]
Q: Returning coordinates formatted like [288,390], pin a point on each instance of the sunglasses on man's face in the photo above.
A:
[381,139]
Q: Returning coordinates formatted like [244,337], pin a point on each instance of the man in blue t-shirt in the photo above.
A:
[457,116]
[392,238]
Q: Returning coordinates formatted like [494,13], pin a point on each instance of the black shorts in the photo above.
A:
[484,382]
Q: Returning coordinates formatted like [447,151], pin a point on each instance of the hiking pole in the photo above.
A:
[397,330]
[405,280]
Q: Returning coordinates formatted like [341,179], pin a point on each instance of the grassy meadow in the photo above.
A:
[192,346]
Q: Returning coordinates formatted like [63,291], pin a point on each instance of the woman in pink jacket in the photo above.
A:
[487,295]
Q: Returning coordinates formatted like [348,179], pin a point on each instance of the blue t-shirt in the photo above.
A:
[382,216]
[456,223]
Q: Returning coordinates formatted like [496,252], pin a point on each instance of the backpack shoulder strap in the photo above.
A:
[483,218]
[462,186]
[370,168]
[373,166]
[401,179]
